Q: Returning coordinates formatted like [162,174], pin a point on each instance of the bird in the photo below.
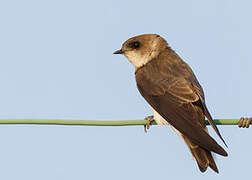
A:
[177,99]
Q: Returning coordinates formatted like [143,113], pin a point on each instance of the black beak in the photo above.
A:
[119,52]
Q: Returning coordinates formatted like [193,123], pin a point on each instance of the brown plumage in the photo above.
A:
[169,85]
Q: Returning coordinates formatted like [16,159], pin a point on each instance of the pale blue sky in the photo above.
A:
[56,61]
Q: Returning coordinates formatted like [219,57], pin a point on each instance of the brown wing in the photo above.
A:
[198,90]
[167,85]
[210,119]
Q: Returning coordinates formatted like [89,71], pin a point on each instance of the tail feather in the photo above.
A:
[202,156]
[212,164]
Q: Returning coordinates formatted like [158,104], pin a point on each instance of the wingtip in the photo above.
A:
[222,152]
[224,142]
[226,154]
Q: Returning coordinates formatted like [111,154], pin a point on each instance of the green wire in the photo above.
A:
[97,123]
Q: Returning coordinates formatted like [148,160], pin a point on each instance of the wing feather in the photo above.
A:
[172,89]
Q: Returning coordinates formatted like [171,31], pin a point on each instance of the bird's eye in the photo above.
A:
[134,44]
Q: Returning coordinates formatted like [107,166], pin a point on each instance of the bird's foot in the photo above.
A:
[244,122]
[150,119]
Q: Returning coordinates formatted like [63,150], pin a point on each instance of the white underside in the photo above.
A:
[161,121]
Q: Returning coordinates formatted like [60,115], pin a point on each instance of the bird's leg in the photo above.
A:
[244,122]
[150,119]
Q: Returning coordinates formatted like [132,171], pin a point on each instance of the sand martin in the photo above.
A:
[169,85]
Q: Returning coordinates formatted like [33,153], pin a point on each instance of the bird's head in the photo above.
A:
[139,50]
